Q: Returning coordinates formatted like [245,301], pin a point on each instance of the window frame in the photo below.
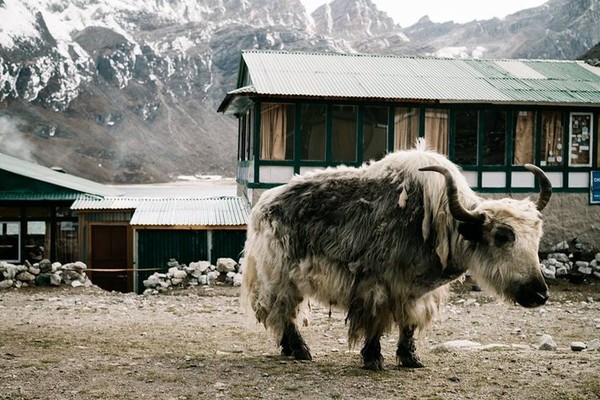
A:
[561,173]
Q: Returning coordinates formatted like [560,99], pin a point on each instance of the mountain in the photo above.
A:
[127,91]
[592,56]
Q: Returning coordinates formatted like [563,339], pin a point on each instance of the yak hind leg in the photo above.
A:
[371,353]
[293,345]
[406,354]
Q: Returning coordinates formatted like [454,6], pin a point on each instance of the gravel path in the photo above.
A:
[85,343]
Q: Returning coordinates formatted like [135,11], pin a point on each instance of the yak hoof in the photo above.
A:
[298,354]
[374,365]
[410,362]
[302,354]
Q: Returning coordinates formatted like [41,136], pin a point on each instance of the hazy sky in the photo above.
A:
[407,13]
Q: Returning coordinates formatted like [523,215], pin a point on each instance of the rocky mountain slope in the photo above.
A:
[127,91]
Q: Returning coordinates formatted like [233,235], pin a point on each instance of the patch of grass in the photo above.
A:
[12,396]
[591,387]
[499,349]
[96,394]
[163,376]
[48,343]
[49,361]
[355,372]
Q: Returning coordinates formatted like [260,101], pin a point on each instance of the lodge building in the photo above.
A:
[300,111]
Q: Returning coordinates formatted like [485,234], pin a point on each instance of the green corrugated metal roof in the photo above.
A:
[73,185]
[22,196]
[563,70]
[404,78]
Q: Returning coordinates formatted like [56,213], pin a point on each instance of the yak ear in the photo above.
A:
[471,232]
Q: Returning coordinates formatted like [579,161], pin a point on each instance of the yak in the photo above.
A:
[382,242]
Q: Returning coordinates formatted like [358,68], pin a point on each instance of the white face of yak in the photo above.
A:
[503,250]
[502,237]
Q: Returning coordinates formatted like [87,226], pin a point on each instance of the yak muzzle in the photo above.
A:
[533,293]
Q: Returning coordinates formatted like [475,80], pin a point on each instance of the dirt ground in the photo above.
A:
[85,343]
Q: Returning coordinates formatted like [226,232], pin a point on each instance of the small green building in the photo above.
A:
[36,220]
[123,233]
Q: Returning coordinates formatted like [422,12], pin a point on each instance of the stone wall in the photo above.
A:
[202,273]
[569,216]
[566,217]
[44,273]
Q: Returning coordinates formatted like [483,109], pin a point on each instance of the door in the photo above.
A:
[108,267]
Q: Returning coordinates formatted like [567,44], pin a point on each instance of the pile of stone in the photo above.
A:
[227,271]
[567,264]
[44,273]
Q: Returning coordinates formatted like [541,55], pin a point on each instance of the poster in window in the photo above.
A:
[580,140]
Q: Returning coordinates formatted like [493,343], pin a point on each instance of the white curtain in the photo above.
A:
[272,132]
[436,130]
[406,127]
[524,124]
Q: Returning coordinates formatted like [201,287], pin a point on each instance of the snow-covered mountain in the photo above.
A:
[127,90]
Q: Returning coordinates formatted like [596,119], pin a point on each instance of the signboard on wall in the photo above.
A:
[595,187]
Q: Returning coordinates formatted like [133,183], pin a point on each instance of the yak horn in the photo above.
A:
[545,186]
[456,209]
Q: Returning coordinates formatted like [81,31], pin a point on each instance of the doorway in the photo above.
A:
[109,264]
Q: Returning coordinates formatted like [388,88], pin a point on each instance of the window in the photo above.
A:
[406,127]
[580,139]
[277,131]
[250,135]
[552,145]
[465,149]
[66,241]
[66,212]
[242,138]
[523,137]
[494,137]
[245,137]
[375,132]
[313,129]
[66,235]
[37,241]
[436,130]
[10,212]
[10,241]
[343,128]
[37,212]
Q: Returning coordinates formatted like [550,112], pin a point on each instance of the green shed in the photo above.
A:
[131,238]
[36,220]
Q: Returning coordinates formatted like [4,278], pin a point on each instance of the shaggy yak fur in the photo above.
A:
[382,242]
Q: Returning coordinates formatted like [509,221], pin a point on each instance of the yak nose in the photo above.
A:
[533,293]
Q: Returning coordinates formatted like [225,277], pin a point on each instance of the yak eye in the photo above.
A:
[503,236]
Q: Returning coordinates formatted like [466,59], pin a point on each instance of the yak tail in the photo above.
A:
[251,293]
[248,294]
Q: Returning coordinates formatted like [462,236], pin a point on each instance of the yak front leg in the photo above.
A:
[406,353]
[293,345]
[371,353]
